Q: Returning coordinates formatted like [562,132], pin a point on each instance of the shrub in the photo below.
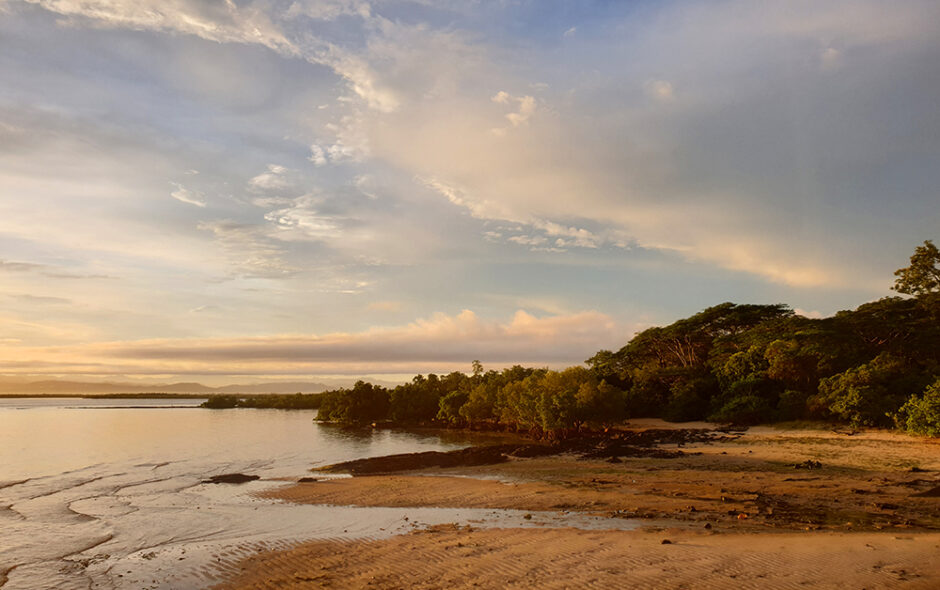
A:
[921,414]
[750,409]
[220,402]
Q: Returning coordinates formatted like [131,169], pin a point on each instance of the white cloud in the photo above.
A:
[274,179]
[302,220]
[226,22]
[317,155]
[250,250]
[222,22]
[187,196]
[328,9]
[525,110]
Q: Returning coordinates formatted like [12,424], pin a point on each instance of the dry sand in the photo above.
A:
[853,523]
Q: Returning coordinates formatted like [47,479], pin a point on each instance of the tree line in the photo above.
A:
[878,365]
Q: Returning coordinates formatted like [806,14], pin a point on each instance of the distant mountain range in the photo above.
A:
[53,387]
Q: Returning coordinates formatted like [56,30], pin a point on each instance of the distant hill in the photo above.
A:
[52,387]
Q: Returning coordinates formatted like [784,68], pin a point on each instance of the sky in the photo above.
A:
[255,190]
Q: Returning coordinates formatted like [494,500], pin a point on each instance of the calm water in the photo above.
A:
[103,493]
[108,494]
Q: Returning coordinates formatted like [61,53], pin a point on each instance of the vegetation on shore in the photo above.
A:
[275,401]
[878,365]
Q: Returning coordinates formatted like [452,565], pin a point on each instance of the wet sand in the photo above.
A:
[749,511]
[571,558]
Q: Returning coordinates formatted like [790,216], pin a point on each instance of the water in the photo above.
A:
[109,494]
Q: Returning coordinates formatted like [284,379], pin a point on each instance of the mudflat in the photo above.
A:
[767,508]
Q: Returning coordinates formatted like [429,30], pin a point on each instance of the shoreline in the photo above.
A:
[732,503]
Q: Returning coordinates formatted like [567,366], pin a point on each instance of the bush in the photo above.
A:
[750,409]
[220,402]
[921,414]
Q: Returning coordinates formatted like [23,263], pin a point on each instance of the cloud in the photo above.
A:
[753,116]
[222,22]
[250,250]
[328,9]
[227,22]
[184,195]
[440,342]
[9,266]
[275,178]
[525,108]
[302,220]
[317,155]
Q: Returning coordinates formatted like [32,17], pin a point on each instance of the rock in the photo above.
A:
[932,493]
[708,526]
[307,480]
[665,542]
[808,464]
[231,478]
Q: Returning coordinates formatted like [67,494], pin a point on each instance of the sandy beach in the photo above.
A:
[768,508]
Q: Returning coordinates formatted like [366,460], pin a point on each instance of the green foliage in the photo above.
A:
[689,398]
[742,365]
[416,402]
[450,406]
[870,393]
[362,404]
[921,414]
[296,401]
[923,275]
[277,401]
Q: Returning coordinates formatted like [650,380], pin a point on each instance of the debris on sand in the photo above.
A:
[808,464]
[931,493]
[231,478]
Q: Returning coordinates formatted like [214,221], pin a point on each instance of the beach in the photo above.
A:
[769,508]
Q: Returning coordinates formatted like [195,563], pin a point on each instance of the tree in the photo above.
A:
[477,368]
[923,275]
[921,414]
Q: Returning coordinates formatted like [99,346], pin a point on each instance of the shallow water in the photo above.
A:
[109,493]
[81,479]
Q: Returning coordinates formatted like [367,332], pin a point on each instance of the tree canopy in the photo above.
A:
[923,274]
